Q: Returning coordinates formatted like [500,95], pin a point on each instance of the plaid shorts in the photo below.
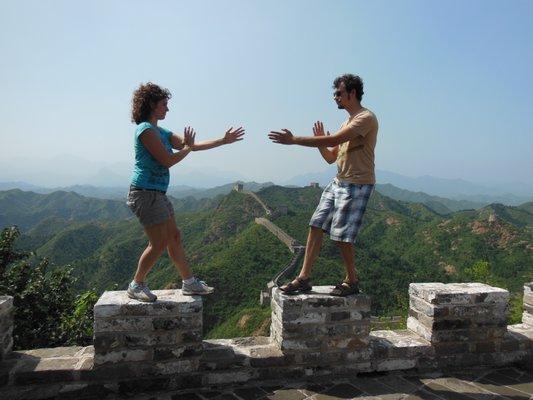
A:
[341,208]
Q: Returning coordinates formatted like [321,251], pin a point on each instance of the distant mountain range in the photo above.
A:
[511,193]
[439,204]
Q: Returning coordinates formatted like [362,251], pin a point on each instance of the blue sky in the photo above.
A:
[450,81]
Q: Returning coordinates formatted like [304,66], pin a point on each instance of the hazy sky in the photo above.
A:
[450,81]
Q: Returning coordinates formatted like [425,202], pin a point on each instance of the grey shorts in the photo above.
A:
[150,207]
[341,209]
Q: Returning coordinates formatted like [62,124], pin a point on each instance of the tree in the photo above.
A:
[47,313]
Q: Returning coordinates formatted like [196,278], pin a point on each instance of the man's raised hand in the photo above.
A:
[232,136]
[283,137]
[188,136]
[318,129]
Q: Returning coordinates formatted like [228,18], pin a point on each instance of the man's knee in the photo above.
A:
[318,232]
[344,245]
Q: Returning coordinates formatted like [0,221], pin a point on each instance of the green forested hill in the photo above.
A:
[27,209]
[400,243]
[439,204]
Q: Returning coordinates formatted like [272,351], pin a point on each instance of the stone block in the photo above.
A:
[458,293]
[169,302]
[162,332]
[399,344]
[317,322]
[528,298]
[123,355]
[395,364]
[6,326]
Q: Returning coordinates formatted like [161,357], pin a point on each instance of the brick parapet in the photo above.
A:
[318,328]
[6,326]
[166,334]
[527,315]
[258,359]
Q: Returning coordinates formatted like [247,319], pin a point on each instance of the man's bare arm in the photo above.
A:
[330,155]
[285,136]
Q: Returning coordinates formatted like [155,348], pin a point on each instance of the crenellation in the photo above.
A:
[527,315]
[165,335]
[6,326]
[317,323]
[314,336]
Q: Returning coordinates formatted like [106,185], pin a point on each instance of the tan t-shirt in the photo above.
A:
[355,160]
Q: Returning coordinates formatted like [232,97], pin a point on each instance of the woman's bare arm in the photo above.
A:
[150,139]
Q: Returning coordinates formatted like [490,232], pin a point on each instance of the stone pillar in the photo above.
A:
[459,319]
[527,315]
[165,335]
[320,329]
[6,326]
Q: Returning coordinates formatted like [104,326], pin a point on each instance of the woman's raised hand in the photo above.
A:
[233,135]
[188,136]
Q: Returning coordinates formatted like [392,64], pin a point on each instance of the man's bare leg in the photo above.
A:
[312,249]
[348,257]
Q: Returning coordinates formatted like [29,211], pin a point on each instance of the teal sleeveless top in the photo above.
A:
[148,173]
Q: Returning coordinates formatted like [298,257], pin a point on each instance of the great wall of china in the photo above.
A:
[145,347]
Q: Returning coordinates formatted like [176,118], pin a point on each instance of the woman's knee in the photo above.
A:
[158,246]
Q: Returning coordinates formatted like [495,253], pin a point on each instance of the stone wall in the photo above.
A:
[466,323]
[6,326]
[527,315]
[317,327]
[166,334]
[156,346]
[278,232]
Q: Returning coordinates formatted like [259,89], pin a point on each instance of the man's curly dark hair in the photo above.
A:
[351,82]
[145,99]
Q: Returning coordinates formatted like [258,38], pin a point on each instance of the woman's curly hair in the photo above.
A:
[145,99]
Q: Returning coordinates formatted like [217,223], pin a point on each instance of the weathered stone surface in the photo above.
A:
[528,298]
[399,344]
[225,377]
[130,331]
[6,326]
[395,364]
[6,304]
[123,355]
[319,298]
[45,370]
[317,322]
[455,335]
[527,319]
[169,302]
[458,293]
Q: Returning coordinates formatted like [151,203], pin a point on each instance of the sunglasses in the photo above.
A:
[337,93]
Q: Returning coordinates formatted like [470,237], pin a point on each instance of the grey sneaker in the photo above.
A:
[141,292]
[197,287]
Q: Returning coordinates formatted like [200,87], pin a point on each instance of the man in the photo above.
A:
[343,202]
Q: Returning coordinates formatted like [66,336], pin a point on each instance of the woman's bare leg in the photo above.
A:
[175,249]
[157,242]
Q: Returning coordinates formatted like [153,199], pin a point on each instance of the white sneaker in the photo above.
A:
[197,287]
[141,292]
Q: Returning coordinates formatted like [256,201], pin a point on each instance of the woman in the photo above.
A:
[147,198]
